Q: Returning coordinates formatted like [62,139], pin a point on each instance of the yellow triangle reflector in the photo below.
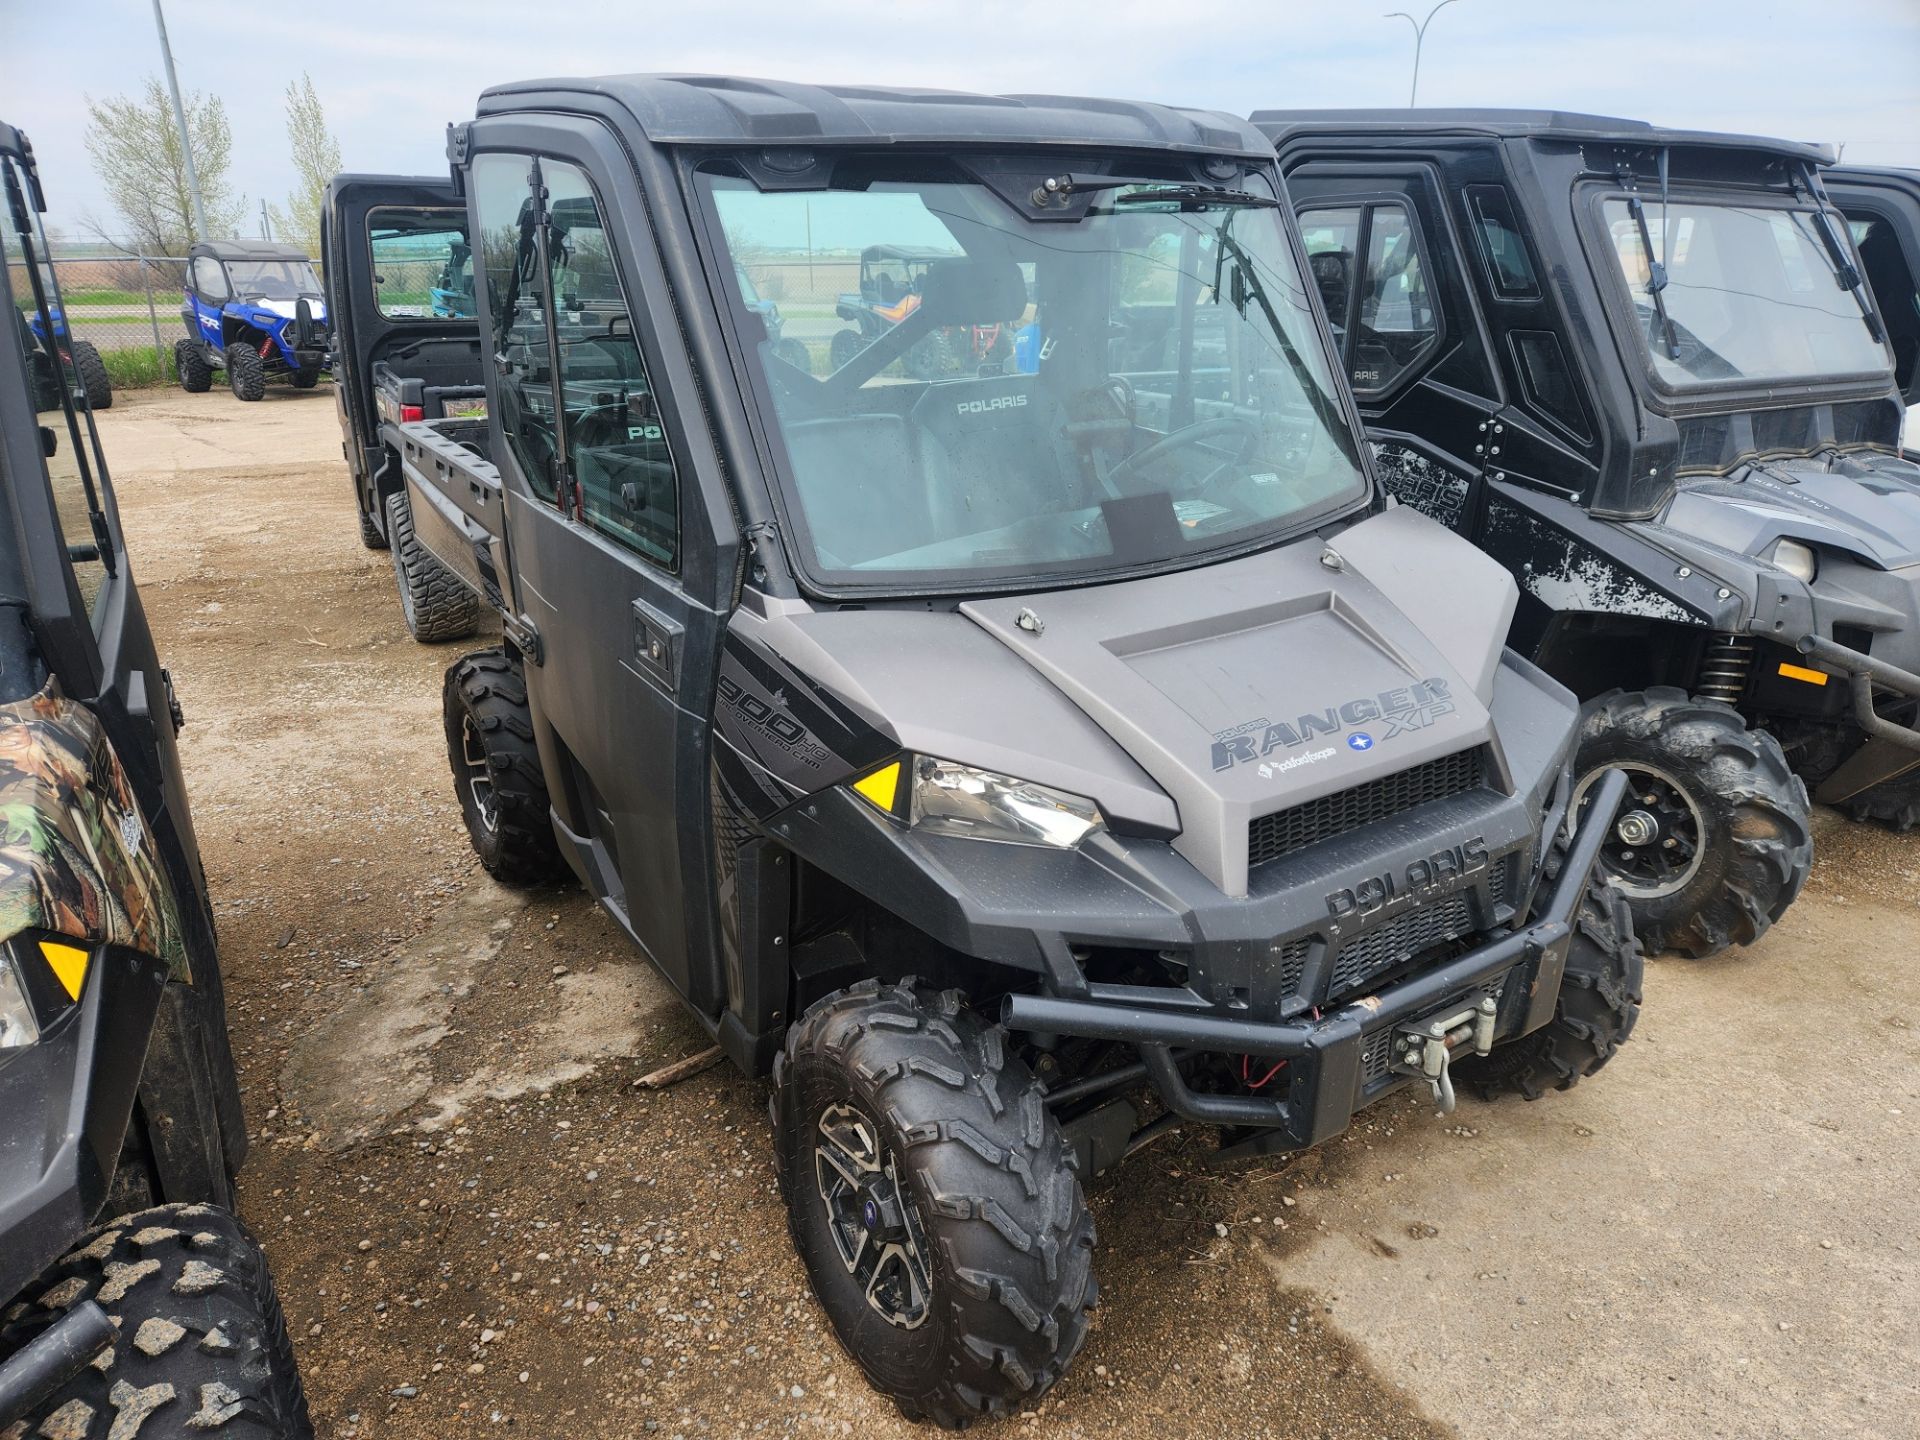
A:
[69,965]
[880,788]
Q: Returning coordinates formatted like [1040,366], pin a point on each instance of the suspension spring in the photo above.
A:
[1724,669]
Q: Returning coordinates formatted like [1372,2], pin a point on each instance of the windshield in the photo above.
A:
[76,469]
[273,279]
[966,395]
[1751,296]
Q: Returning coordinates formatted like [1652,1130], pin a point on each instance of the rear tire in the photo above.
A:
[844,346]
[965,1191]
[303,379]
[202,1347]
[496,769]
[1599,1003]
[246,372]
[92,373]
[795,354]
[190,364]
[1728,794]
[1893,803]
[435,603]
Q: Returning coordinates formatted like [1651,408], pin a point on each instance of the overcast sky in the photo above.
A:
[391,75]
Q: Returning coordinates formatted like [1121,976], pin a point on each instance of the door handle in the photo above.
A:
[656,644]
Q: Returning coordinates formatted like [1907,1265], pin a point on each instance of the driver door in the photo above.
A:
[620,565]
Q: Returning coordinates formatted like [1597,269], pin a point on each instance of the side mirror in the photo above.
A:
[49,442]
[302,324]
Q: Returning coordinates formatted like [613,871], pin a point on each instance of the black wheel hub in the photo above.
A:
[1653,846]
[478,776]
[872,1222]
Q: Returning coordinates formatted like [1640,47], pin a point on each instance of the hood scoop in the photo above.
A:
[1247,687]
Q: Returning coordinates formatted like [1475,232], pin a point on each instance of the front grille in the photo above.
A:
[1285,831]
[1377,1058]
[1384,949]
[1293,963]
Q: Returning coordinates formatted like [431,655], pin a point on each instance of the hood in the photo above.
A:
[1255,685]
[1196,701]
[285,308]
[1863,505]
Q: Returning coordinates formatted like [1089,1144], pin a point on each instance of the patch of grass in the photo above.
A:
[81,299]
[137,369]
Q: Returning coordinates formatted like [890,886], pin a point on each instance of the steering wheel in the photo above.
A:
[1201,432]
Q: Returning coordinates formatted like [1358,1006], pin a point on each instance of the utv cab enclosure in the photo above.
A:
[131,1299]
[1883,212]
[1640,368]
[400,289]
[254,309]
[1018,763]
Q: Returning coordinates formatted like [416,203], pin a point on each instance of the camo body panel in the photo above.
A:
[76,857]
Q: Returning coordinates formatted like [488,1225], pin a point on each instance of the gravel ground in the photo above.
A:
[477,1221]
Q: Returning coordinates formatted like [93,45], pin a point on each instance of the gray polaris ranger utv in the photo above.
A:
[1018,763]
[1640,368]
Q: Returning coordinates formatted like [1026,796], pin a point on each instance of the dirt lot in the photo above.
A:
[476,1221]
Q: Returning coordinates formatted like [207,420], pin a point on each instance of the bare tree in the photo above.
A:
[136,153]
[316,160]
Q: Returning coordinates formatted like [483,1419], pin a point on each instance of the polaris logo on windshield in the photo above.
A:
[1409,707]
[982,407]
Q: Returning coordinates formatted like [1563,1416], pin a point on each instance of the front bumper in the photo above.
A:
[1341,1062]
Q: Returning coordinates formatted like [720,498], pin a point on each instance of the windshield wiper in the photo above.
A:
[1191,194]
[1248,286]
[1148,192]
[1844,270]
[1656,277]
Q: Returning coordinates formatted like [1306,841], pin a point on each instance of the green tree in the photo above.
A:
[136,152]
[316,160]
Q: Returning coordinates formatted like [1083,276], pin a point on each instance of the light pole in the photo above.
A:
[1419,38]
[180,119]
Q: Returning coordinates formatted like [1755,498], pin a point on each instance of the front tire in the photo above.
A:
[1598,1006]
[496,768]
[1721,838]
[246,372]
[190,364]
[202,1347]
[435,603]
[92,373]
[932,1201]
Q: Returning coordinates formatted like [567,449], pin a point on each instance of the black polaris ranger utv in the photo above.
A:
[1018,764]
[132,1302]
[1639,368]
[400,289]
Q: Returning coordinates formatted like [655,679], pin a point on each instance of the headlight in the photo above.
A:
[18,1024]
[40,980]
[1797,560]
[943,798]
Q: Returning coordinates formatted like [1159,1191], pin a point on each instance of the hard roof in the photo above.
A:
[729,110]
[1523,124]
[248,250]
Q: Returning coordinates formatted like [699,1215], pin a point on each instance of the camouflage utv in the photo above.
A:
[133,1304]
